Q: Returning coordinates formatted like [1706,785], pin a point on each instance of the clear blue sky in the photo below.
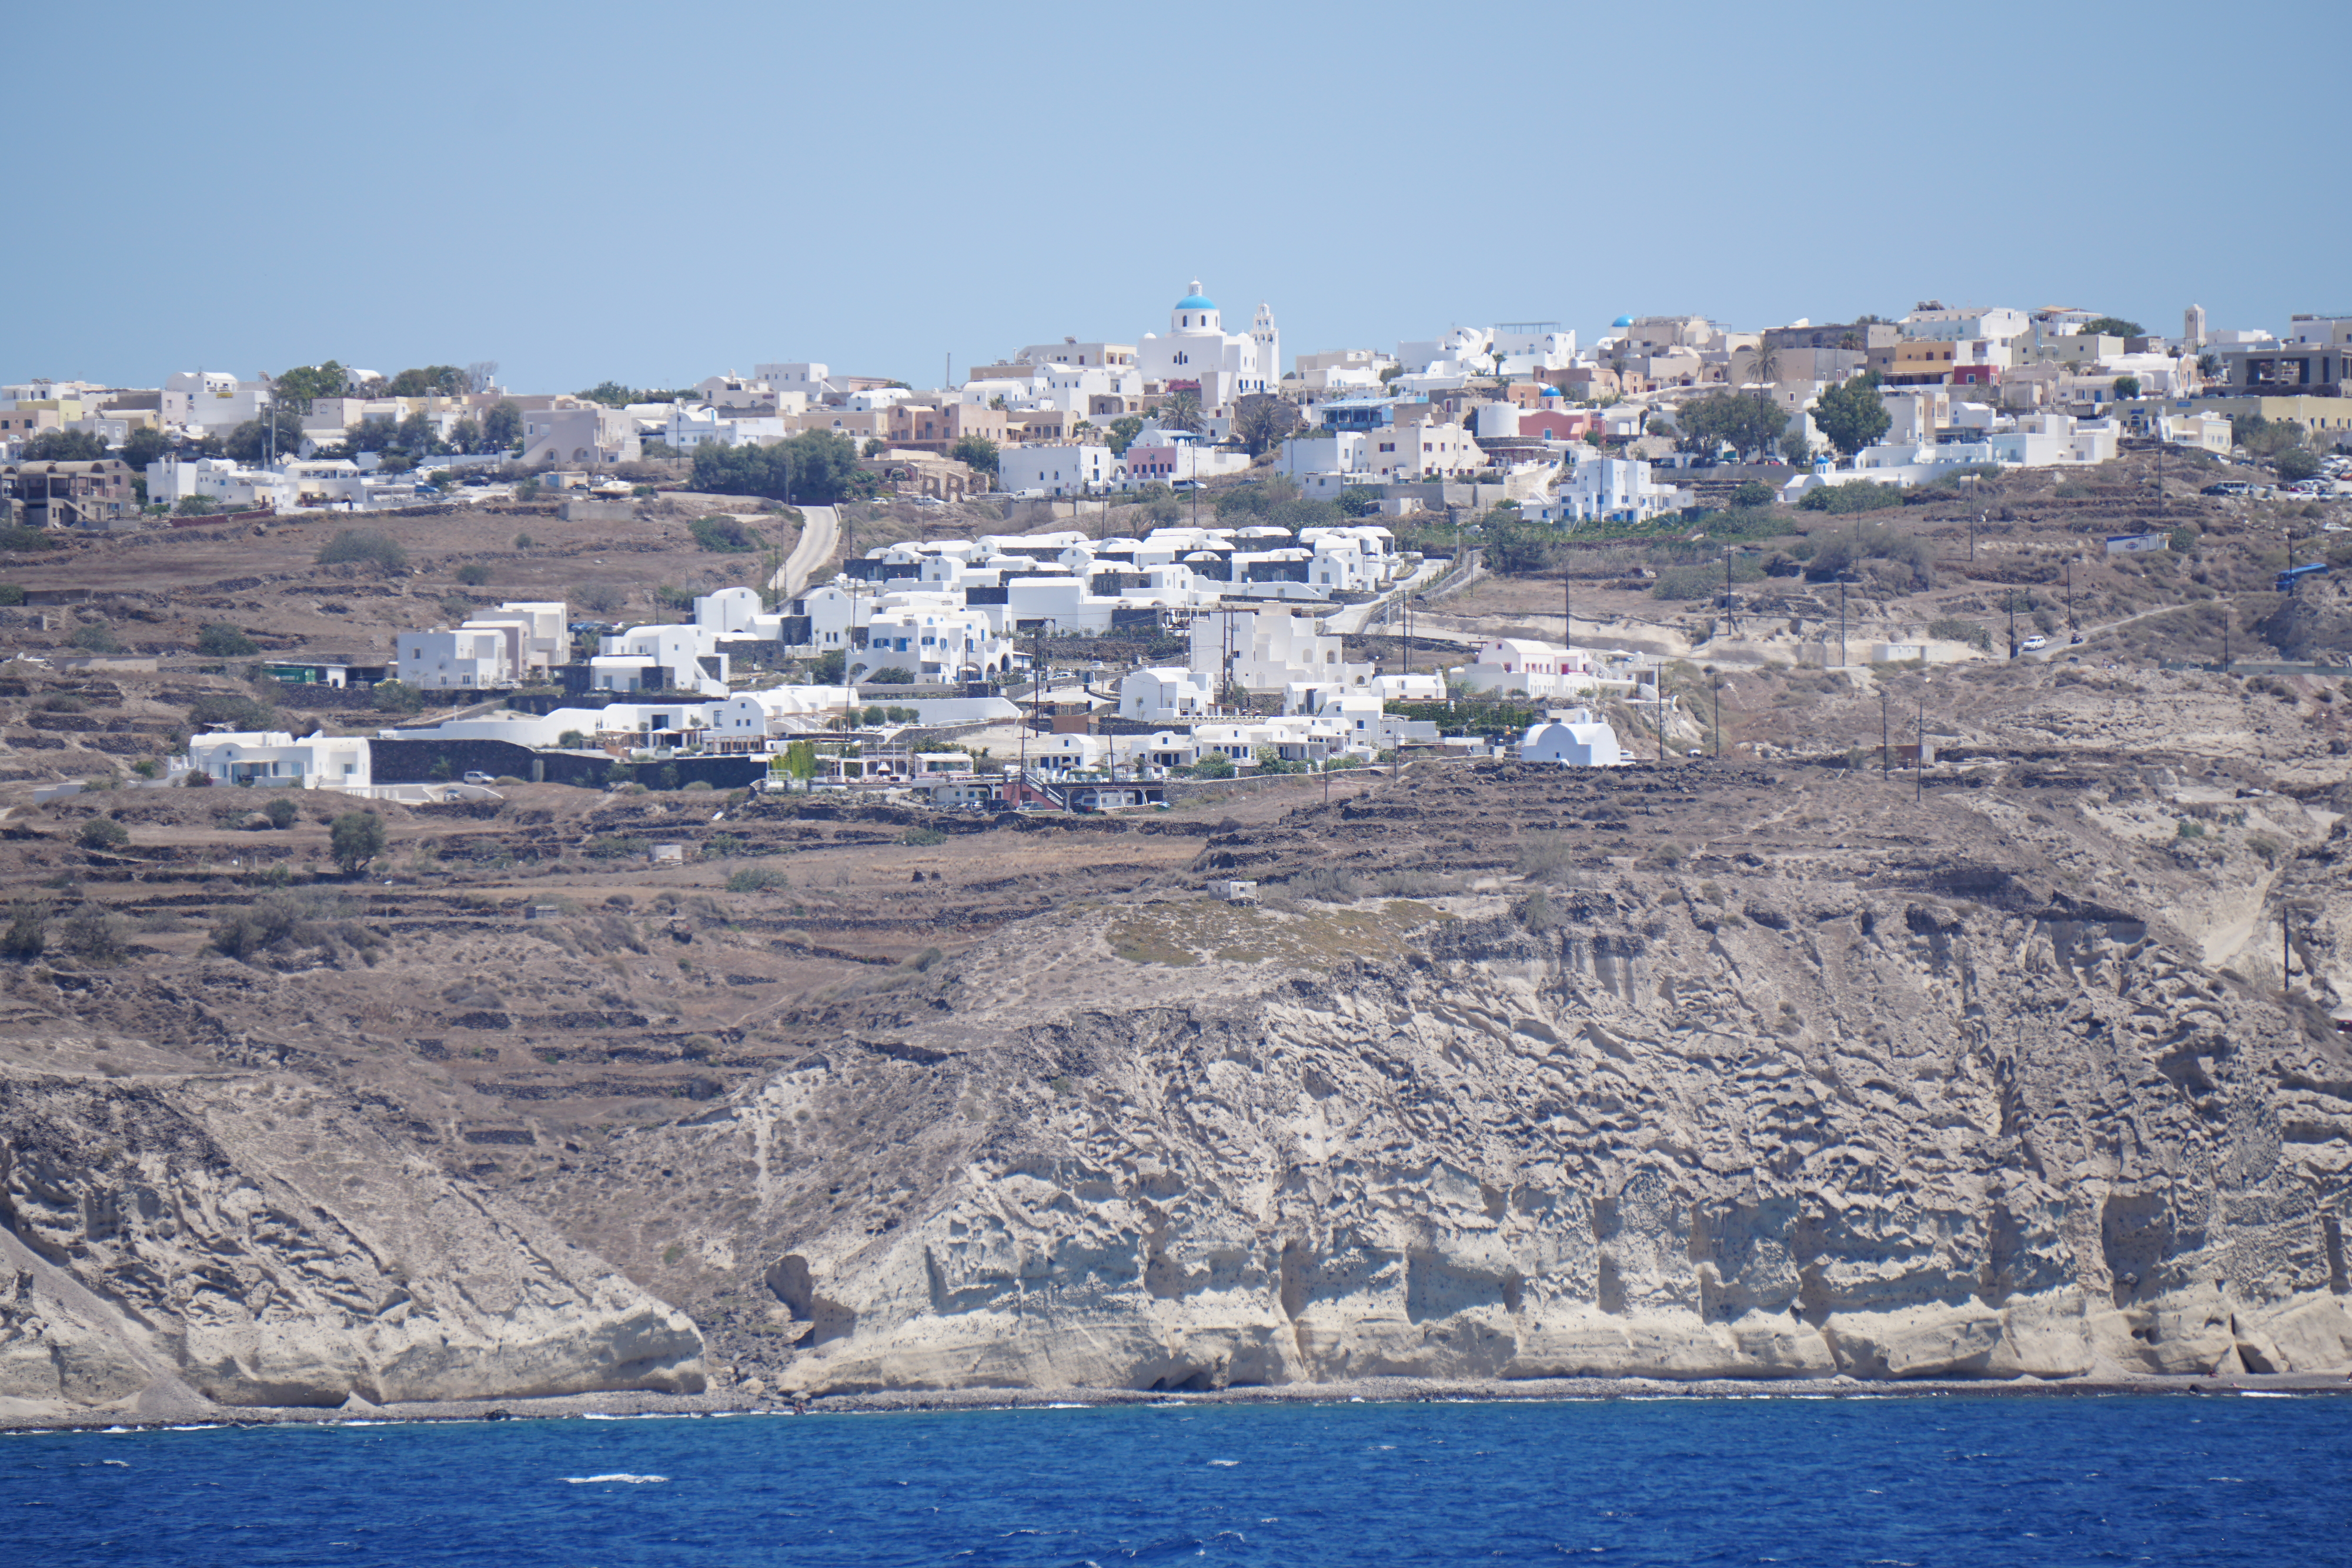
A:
[655,193]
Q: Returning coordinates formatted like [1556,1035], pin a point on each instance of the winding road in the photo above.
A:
[819,531]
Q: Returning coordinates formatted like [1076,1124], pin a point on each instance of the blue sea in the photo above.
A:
[1876,1482]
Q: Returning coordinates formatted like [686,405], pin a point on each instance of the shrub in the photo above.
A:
[222,641]
[1215,764]
[97,637]
[571,740]
[1952,628]
[1859,496]
[364,547]
[2188,828]
[17,538]
[723,535]
[11,594]
[281,813]
[891,675]
[102,833]
[1546,856]
[756,878]
[61,702]
[27,934]
[271,921]
[1751,493]
[614,847]
[92,934]
[524,541]
[1846,550]
[921,838]
[395,696]
[473,574]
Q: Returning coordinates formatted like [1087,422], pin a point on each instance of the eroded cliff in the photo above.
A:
[169,1240]
[1897,1113]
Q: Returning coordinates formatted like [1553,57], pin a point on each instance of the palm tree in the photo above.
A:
[1767,364]
[1182,410]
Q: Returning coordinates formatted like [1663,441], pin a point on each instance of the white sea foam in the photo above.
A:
[1224,1464]
[631,1480]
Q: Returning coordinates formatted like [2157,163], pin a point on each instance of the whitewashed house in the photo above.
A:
[274,759]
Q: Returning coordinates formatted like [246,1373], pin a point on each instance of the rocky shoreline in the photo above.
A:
[638,1404]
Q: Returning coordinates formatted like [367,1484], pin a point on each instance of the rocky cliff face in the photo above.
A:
[1885,1114]
[253,1240]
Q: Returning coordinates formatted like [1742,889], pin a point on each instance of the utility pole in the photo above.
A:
[1921,797]
[1842,578]
[1972,535]
[1717,676]
[1885,747]
[2013,623]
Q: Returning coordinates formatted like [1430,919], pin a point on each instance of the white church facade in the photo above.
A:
[1198,349]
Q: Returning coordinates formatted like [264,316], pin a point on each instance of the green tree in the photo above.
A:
[1123,433]
[2114,327]
[143,445]
[1181,411]
[102,833]
[431,381]
[196,507]
[305,384]
[976,453]
[875,446]
[1797,449]
[355,839]
[501,426]
[222,641]
[1745,422]
[2297,464]
[1214,765]
[250,443]
[65,446]
[1852,416]
[819,466]
[1356,501]
[1263,422]
[465,435]
[1752,494]
[611,394]
[1764,364]
[2126,386]
[571,740]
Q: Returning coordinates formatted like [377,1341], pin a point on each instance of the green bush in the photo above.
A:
[355,839]
[1859,496]
[891,675]
[281,813]
[102,833]
[17,539]
[1706,580]
[615,847]
[11,594]
[524,541]
[97,637]
[756,878]
[364,547]
[1952,628]
[922,838]
[723,535]
[27,934]
[239,713]
[395,696]
[473,574]
[222,641]
[1215,764]
[1753,493]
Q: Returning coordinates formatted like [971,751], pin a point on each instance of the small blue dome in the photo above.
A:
[1195,302]
[1623,322]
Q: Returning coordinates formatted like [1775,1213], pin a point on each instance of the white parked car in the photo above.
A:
[2035,644]
[480,778]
